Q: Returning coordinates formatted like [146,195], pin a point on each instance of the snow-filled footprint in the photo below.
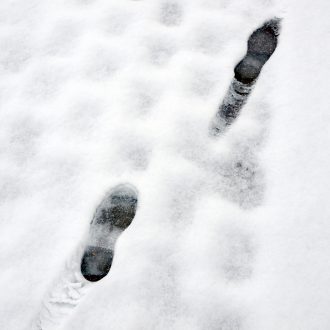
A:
[171,13]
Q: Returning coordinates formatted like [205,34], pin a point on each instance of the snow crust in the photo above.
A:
[230,233]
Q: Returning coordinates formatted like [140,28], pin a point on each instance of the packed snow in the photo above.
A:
[230,233]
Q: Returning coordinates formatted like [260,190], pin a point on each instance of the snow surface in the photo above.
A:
[230,233]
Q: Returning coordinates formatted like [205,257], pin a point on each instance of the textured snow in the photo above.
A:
[230,233]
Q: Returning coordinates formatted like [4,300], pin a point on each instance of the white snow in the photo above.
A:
[230,233]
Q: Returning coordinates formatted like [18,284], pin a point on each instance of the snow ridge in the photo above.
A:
[64,296]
